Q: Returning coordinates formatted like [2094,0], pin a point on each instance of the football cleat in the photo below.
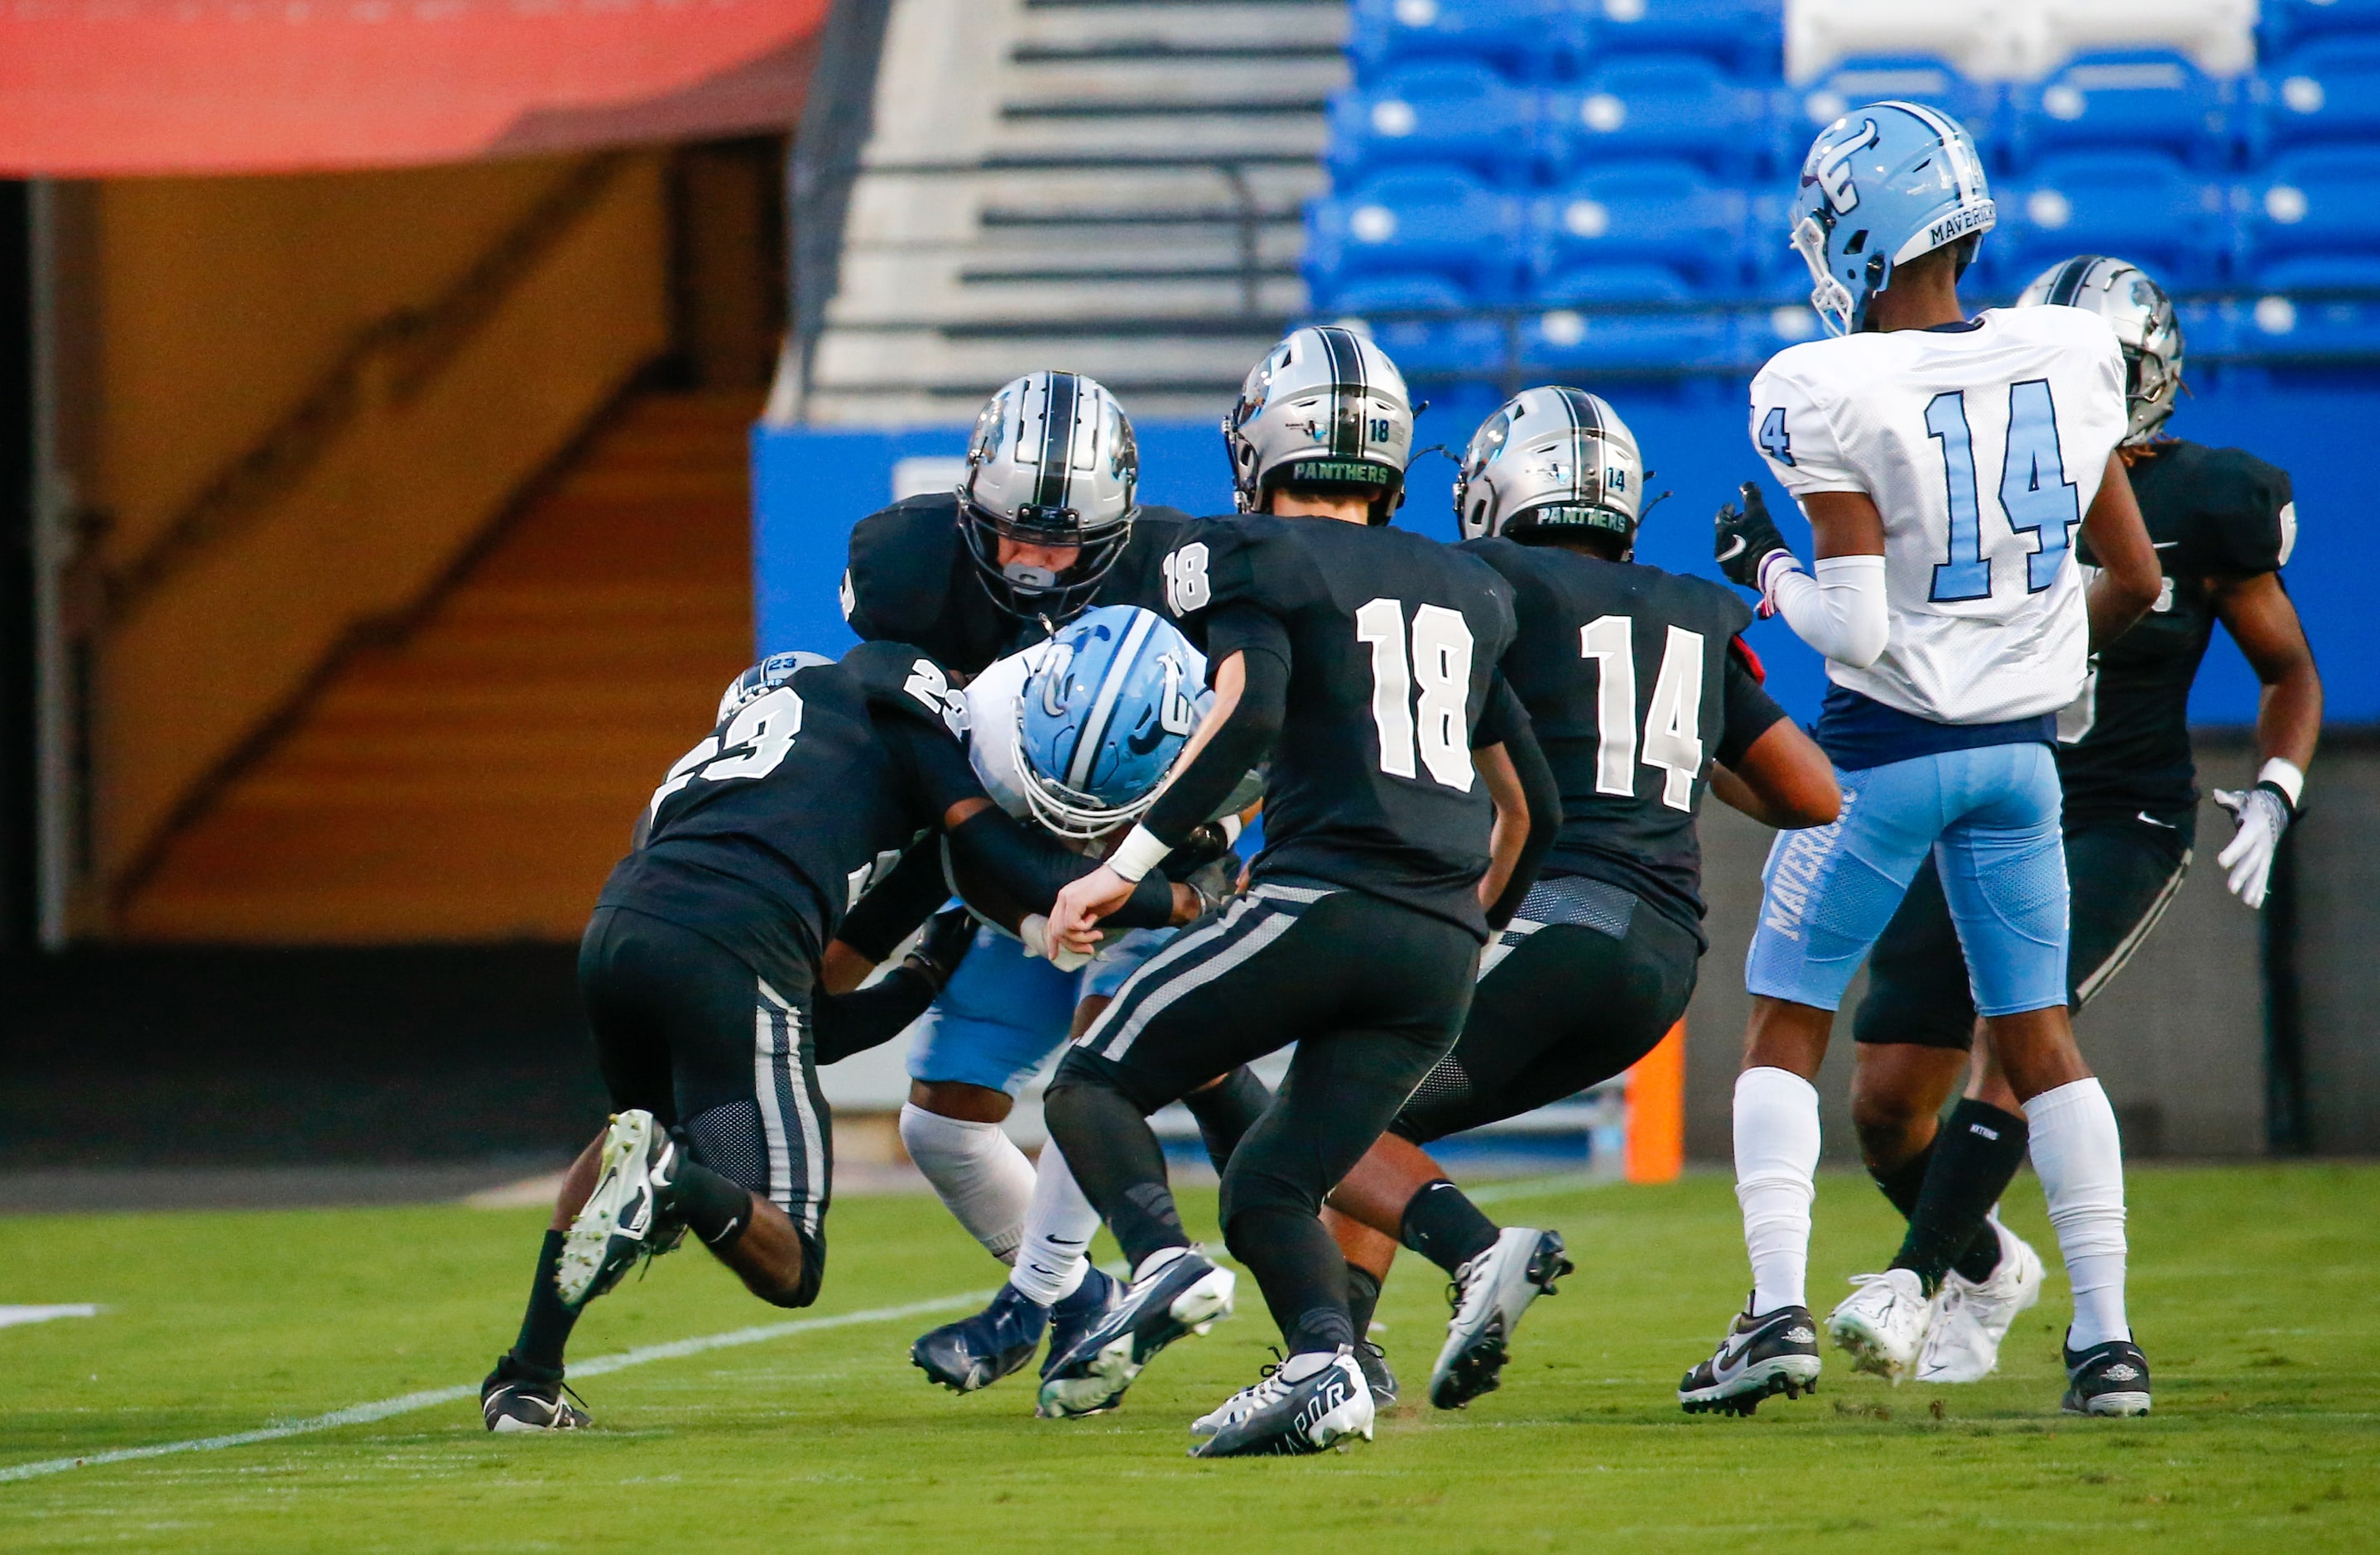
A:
[1304,1404]
[976,1352]
[621,1221]
[1972,1317]
[510,1402]
[1489,1294]
[1774,1353]
[2110,1379]
[1075,1316]
[1882,1323]
[1185,1294]
[1373,1363]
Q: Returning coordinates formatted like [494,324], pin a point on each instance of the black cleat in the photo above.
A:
[512,1400]
[1489,1294]
[1373,1362]
[1073,1316]
[2110,1379]
[1279,1418]
[976,1352]
[1775,1354]
[1185,1294]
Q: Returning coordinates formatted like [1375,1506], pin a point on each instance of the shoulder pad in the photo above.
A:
[901,562]
[2242,520]
[895,677]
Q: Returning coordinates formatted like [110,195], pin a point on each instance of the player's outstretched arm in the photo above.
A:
[2257,613]
[1782,779]
[2129,577]
[1841,612]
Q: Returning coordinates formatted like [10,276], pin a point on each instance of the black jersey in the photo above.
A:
[2124,744]
[911,579]
[763,835]
[1628,678]
[1391,642]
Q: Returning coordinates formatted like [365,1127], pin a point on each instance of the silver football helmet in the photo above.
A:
[763,678]
[1051,462]
[1324,408]
[1552,460]
[2144,319]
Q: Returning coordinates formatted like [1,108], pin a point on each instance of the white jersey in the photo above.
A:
[995,700]
[1983,447]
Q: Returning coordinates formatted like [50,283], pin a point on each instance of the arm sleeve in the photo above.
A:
[1750,711]
[1841,612]
[1033,869]
[1243,739]
[1544,798]
[932,761]
[902,900]
[845,1024]
[1791,431]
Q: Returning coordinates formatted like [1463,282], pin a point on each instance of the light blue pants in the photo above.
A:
[1990,817]
[1004,1012]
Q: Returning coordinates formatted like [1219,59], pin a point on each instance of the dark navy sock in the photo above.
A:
[1976,1158]
[545,1327]
[1445,1227]
[1362,1298]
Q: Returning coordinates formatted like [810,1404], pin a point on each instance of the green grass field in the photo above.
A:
[2250,1288]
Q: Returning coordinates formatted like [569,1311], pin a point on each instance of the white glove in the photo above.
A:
[1035,932]
[2262,814]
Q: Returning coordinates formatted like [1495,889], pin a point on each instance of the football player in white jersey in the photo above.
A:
[1944,464]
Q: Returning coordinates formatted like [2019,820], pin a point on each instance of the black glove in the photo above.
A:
[1747,538]
[942,945]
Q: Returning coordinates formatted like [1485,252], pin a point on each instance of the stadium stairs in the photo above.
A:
[470,777]
[1113,186]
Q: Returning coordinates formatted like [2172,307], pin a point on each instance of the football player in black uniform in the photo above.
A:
[1403,802]
[701,973]
[1047,523]
[1642,696]
[2223,523]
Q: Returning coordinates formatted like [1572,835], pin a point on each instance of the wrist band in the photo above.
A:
[2285,775]
[1775,559]
[1139,853]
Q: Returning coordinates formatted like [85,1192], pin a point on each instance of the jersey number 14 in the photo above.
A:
[1673,739]
[2035,496]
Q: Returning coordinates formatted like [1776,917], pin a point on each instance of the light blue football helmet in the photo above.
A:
[764,676]
[1883,184]
[1113,702]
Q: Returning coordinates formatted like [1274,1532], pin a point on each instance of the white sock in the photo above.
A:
[981,1176]
[2080,1159]
[1058,1230]
[1776,1170]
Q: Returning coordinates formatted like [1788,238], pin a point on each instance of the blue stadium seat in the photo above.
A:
[1439,349]
[2283,24]
[2326,92]
[2306,328]
[1422,221]
[1528,39]
[1397,294]
[1567,341]
[1664,106]
[1747,36]
[1458,114]
[2147,99]
[2136,204]
[2316,219]
[1904,78]
[1760,336]
[1661,214]
[1590,284]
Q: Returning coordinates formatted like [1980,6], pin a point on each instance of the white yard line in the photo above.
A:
[12,1315]
[1540,1187]
[363,1413]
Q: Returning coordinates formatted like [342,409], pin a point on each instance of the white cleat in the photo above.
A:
[1882,1324]
[1305,1405]
[1490,1293]
[1971,1318]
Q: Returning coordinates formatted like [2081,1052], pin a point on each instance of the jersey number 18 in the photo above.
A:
[1440,661]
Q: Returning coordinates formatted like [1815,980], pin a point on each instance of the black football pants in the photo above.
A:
[1373,994]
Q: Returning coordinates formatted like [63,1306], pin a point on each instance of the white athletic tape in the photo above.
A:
[364,1413]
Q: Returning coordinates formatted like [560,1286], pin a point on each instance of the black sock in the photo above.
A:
[714,1207]
[1905,1181]
[1118,1163]
[1976,1158]
[545,1327]
[1226,1110]
[1362,1298]
[1302,1273]
[1445,1227]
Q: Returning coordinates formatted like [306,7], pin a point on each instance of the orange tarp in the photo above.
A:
[99,88]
